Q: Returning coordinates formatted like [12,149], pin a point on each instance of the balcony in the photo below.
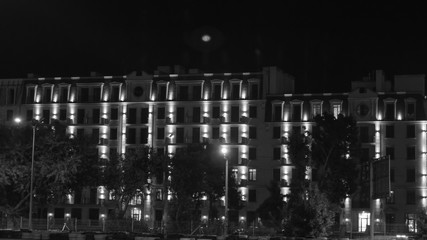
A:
[284,183]
[168,120]
[105,121]
[243,183]
[103,141]
[244,161]
[244,119]
[284,140]
[207,120]
[222,140]
[222,119]
[245,140]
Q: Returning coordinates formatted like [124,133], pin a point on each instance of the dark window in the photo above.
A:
[161,113]
[276,174]
[84,95]
[64,95]
[144,115]
[389,131]
[93,213]
[131,116]
[364,134]
[161,133]
[296,130]
[78,197]
[389,151]
[30,114]
[215,112]
[215,132]
[196,135]
[76,213]
[277,113]
[276,153]
[162,93]
[410,153]
[80,132]
[96,94]
[11,96]
[114,114]
[95,136]
[180,135]
[217,92]
[96,115]
[254,91]
[80,116]
[113,133]
[196,115]
[410,197]
[46,116]
[296,112]
[252,111]
[252,133]
[252,153]
[59,213]
[47,92]
[276,132]
[235,114]
[410,175]
[410,131]
[62,114]
[115,94]
[234,134]
[389,111]
[183,93]
[144,135]
[235,91]
[131,136]
[252,195]
[197,92]
[9,115]
[92,196]
[180,115]
[30,95]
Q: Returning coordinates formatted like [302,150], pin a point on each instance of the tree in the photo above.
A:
[324,173]
[198,172]
[333,149]
[271,211]
[57,160]
[126,176]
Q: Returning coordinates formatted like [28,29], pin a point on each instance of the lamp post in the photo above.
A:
[30,214]
[224,151]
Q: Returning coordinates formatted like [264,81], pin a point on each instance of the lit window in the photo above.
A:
[336,109]
[252,174]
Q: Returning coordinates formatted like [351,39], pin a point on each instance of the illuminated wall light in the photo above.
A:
[305,118]
[380,117]
[286,116]
[399,116]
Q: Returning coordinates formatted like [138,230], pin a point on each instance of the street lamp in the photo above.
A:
[224,151]
[30,213]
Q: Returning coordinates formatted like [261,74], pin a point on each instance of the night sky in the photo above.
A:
[325,45]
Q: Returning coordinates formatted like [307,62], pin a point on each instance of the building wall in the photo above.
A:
[123,112]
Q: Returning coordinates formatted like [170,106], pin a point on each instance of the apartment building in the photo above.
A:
[252,113]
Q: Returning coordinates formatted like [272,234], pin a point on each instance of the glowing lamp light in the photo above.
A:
[18,120]
[206,38]
[50,214]
[224,150]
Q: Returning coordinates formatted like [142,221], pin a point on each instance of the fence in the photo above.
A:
[189,227]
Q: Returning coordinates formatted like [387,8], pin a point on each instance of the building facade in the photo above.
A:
[252,114]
